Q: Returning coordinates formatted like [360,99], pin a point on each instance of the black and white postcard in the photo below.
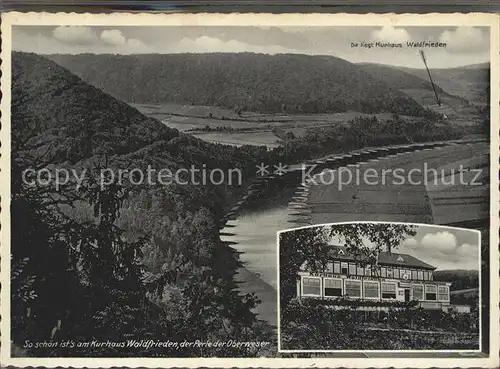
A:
[158,172]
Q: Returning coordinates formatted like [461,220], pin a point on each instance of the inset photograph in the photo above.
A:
[379,286]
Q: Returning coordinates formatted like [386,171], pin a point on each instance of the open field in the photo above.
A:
[219,125]
[209,113]
[261,138]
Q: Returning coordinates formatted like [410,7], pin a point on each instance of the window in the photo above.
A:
[371,290]
[333,287]
[396,273]
[352,269]
[430,276]
[418,292]
[388,290]
[420,275]
[343,268]
[353,288]
[311,286]
[430,292]
[443,293]
[361,270]
[426,276]
[329,267]
[389,273]
[336,267]
[414,274]
[383,272]
[368,271]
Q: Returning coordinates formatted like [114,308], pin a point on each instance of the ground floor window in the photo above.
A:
[418,292]
[332,287]
[311,286]
[353,288]
[443,293]
[388,290]
[430,292]
[371,290]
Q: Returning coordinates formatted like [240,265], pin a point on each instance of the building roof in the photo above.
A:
[384,258]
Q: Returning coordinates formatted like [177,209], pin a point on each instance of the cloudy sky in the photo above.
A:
[465,45]
[444,248]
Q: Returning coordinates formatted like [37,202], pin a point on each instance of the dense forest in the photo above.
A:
[243,82]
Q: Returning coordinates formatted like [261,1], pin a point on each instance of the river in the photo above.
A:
[255,232]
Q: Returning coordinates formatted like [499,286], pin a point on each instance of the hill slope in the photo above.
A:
[246,81]
[469,82]
[52,107]
[79,119]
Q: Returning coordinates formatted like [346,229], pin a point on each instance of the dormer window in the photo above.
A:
[341,252]
[400,258]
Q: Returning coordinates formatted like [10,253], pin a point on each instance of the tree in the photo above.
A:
[71,280]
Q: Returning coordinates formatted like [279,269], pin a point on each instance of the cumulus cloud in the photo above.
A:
[136,43]
[444,242]
[314,40]
[113,37]
[390,34]
[79,35]
[213,44]
[464,39]
[410,242]
[468,251]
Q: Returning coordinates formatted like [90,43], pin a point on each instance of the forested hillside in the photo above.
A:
[397,77]
[244,82]
[460,279]
[122,261]
[417,86]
